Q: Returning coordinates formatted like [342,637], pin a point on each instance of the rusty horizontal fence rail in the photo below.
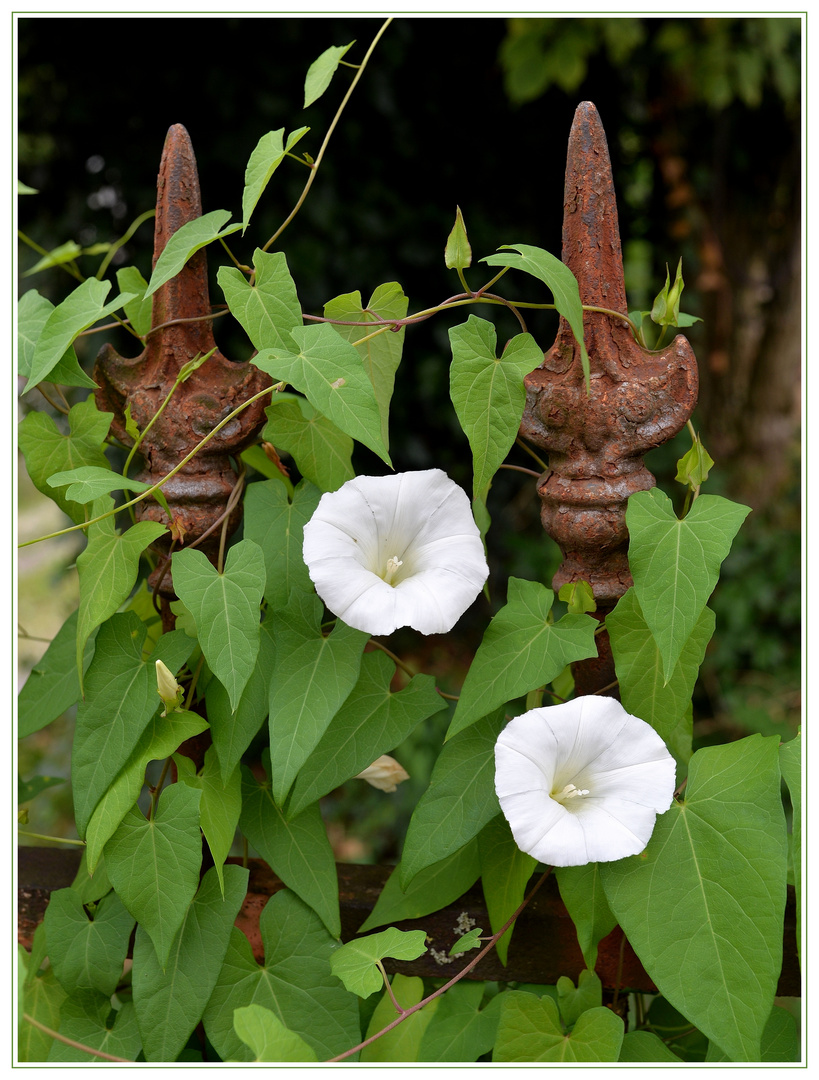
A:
[543,948]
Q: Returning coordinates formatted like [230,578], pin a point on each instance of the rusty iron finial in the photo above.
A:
[638,399]
[199,493]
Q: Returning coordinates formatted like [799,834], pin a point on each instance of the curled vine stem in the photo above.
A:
[404,1013]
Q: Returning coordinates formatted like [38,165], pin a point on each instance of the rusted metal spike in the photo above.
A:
[638,400]
[199,493]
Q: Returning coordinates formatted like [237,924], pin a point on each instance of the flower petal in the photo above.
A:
[582,781]
[423,522]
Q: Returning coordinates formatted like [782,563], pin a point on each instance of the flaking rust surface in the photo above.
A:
[199,493]
[637,400]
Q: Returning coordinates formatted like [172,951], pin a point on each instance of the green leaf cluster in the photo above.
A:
[281,706]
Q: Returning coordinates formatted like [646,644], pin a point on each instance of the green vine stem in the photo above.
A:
[114,248]
[520,468]
[72,1042]
[525,446]
[52,839]
[462,299]
[456,978]
[156,487]
[69,267]
[315,165]
[191,319]
[180,378]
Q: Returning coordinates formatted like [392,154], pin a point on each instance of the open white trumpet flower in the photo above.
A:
[582,782]
[391,551]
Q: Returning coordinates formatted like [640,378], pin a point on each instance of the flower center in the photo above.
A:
[569,792]
[393,565]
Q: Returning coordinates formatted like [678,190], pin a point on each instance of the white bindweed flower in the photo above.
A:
[385,773]
[582,782]
[391,551]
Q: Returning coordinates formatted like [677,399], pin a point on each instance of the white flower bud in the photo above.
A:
[385,773]
[168,688]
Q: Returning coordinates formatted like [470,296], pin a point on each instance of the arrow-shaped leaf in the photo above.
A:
[233,729]
[87,954]
[372,721]
[225,608]
[162,736]
[138,309]
[530,1030]
[33,311]
[186,241]
[521,650]
[488,393]
[267,155]
[154,865]
[505,872]
[107,571]
[298,851]
[639,667]
[381,354]
[121,698]
[53,684]
[88,482]
[80,309]
[322,453]
[269,309]
[170,1002]
[712,876]
[295,983]
[329,372]
[559,279]
[675,564]
[220,807]
[321,72]
[311,680]
[460,798]
[47,450]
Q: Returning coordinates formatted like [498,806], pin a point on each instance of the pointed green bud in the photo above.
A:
[458,253]
[130,424]
[693,467]
[666,309]
[579,596]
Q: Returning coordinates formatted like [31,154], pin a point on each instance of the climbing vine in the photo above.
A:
[270,680]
